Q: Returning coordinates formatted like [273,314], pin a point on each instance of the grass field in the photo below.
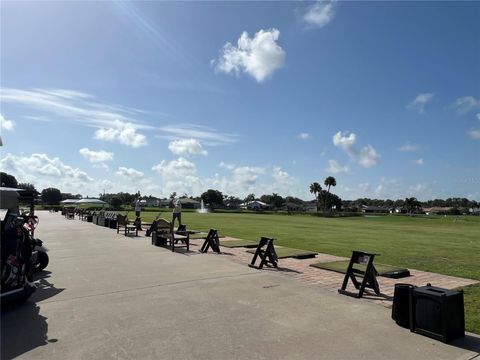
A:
[445,245]
[438,244]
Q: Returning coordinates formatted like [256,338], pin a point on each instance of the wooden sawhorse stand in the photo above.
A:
[211,241]
[266,252]
[369,275]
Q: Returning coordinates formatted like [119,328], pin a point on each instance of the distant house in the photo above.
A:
[188,203]
[311,206]
[375,209]
[164,203]
[152,202]
[255,205]
[474,211]
[291,206]
[437,210]
[233,205]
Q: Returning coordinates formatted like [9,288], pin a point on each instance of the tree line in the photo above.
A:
[324,199]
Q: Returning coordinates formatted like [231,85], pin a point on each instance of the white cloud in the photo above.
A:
[71,105]
[179,175]
[418,161]
[123,132]
[246,175]
[38,118]
[366,156]
[43,171]
[187,147]
[282,176]
[335,168]
[474,134]
[96,156]
[226,165]
[6,124]
[284,183]
[259,56]
[207,135]
[304,136]
[345,142]
[420,191]
[101,165]
[388,188]
[113,122]
[175,168]
[254,179]
[419,103]
[408,147]
[478,116]
[465,104]
[129,173]
[319,14]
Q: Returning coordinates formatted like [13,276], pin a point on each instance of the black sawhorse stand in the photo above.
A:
[266,252]
[369,275]
[211,241]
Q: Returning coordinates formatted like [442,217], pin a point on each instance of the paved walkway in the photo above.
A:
[107,296]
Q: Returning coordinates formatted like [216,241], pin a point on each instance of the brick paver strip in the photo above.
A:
[301,270]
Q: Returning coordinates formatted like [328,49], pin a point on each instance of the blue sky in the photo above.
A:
[243,97]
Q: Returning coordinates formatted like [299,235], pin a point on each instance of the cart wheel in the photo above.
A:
[42,261]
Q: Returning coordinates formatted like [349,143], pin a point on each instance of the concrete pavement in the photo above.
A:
[107,296]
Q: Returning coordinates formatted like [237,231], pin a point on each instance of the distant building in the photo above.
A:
[375,209]
[474,211]
[188,203]
[164,203]
[255,205]
[291,206]
[311,206]
[437,210]
[152,202]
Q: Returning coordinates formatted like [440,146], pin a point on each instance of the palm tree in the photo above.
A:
[329,181]
[315,189]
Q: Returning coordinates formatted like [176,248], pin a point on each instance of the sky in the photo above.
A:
[242,97]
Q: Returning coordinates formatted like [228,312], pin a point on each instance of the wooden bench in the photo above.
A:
[123,223]
[70,214]
[164,235]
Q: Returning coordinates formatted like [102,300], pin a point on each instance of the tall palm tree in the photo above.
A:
[329,182]
[315,189]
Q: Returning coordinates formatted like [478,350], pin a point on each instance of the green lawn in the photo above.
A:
[472,308]
[445,245]
[437,244]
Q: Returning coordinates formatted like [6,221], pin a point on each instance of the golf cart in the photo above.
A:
[16,246]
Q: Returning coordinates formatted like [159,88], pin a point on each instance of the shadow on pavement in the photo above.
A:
[469,342]
[23,328]
[45,289]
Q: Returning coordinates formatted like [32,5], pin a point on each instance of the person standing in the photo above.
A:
[138,207]
[177,211]
[138,210]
